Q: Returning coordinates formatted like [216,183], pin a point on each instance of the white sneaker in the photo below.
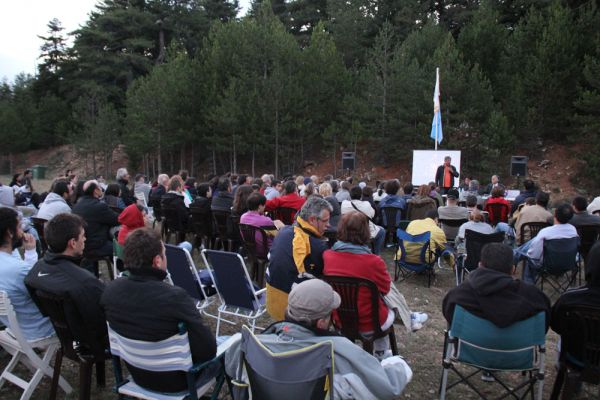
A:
[417,320]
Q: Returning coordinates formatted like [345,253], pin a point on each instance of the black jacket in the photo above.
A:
[99,218]
[172,200]
[520,199]
[61,275]
[496,297]
[126,193]
[155,196]
[223,201]
[439,176]
[143,307]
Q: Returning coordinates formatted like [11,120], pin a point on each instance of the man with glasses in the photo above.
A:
[99,220]
[297,254]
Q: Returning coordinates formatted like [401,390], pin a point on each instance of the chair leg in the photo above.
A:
[100,374]
[85,380]
[56,374]
[393,343]
[368,346]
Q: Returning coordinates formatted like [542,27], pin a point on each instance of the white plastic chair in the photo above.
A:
[13,341]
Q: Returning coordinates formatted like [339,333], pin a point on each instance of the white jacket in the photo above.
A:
[52,206]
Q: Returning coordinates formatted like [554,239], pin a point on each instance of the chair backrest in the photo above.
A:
[391,216]
[498,212]
[7,310]
[170,354]
[182,270]
[403,224]
[451,227]
[249,234]
[231,279]
[474,242]
[171,218]
[287,215]
[155,203]
[560,255]
[529,230]
[349,289]
[588,235]
[483,344]
[305,373]
[201,220]
[580,339]
[423,239]
[221,220]
[69,324]
[419,210]
[38,224]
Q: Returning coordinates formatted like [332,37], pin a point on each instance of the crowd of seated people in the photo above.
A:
[82,224]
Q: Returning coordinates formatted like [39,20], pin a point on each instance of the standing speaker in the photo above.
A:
[348,160]
[518,166]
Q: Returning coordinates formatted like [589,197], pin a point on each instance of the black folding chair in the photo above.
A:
[172,224]
[474,242]
[349,289]
[257,252]
[559,265]
[202,225]
[579,350]
[588,235]
[450,228]
[391,217]
[78,342]
[222,222]
[529,230]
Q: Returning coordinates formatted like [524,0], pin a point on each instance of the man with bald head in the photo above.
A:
[99,220]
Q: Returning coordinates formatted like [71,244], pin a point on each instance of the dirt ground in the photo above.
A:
[422,349]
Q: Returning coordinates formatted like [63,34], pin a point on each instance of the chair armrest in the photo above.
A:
[261,291]
[223,347]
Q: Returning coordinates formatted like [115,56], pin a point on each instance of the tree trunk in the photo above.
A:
[172,161]
[159,153]
[182,156]
[277,143]
[192,162]
[253,158]
[334,151]
[234,158]
[214,161]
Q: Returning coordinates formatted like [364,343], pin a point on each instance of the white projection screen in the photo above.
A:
[425,163]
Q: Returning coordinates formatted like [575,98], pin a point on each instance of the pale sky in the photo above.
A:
[22,20]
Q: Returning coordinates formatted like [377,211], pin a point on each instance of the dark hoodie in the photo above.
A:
[496,297]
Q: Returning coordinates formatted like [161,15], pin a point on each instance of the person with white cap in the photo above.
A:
[357,375]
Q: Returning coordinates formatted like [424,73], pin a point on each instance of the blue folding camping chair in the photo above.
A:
[481,345]
[426,263]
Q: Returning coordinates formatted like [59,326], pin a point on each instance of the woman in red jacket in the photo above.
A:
[131,218]
[351,256]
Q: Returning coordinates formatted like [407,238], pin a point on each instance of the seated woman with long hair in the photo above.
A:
[351,256]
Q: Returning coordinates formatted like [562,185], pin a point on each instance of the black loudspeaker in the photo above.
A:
[518,166]
[348,160]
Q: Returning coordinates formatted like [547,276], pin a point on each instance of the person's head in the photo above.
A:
[163,179]
[542,199]
[314,179]
[266,178]
[328,178]
[354,228]
[529,185]
[367,192]
[299,180]
[355,193]
[467,180]
[241,180]
[474,185]
[530,201]
[408,188]
[277,185]
[497,256]
[392,186]
[93,189]
[334,186]
[563,213]
[498,191]
[62,189]
[290,187]
[447,161]
[11,234]
[424,191]
[306,181]
[183,174]
[592,266]
[175,184]
[144,250]
[315,211]
[346,185]
[433,214]
[452,196]
[476,215]
[579,204]
[256,202]
[140,178]
[224,185]
[190,182]
[204,190]
[494,179]
[241,198]
[65,234]
[27,173]
[471,201]
[310,189]
[113,189]
[311,303]
[122,174]
[325,189]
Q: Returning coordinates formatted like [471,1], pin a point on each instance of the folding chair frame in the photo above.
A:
[23,351]
[405,269]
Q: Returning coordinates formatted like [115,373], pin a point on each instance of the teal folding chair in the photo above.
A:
[482,346]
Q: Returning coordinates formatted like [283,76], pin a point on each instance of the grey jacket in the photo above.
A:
[52,206]
[358,375]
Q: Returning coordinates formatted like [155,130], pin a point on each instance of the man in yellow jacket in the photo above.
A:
[437,241]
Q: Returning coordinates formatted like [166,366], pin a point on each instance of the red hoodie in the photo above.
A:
[130,219]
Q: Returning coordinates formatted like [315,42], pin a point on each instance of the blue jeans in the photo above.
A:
[379,241]
[531,267]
